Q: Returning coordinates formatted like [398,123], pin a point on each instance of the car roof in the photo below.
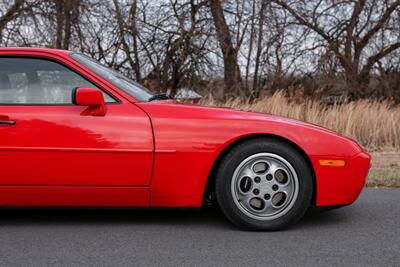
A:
[34,49]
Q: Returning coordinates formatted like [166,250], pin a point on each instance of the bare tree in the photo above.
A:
[135,33]
[350,38]
[123,32]
[67,14]
[11,13]
[261,21]
[346,46]
[232,74]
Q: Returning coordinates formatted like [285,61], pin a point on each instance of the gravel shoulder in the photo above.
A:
[385,171]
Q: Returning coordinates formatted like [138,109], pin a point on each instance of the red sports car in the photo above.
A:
[75,133]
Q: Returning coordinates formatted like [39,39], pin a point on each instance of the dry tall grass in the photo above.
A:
[375,124]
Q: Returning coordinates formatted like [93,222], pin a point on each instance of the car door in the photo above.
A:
[46,141]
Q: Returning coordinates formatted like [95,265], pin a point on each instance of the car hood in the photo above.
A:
[240,114]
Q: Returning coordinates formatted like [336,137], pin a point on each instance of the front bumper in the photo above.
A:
[340,185]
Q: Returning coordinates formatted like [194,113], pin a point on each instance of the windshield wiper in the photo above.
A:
[159,97]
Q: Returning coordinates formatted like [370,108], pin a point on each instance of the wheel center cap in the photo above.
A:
[265,187]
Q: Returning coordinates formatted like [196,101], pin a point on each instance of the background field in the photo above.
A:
[374,124]
[385,171]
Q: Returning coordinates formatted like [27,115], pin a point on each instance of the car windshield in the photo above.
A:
[127,85]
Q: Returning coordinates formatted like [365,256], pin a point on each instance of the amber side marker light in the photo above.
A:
[332,162]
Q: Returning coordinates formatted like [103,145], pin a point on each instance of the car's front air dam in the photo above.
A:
[340,185]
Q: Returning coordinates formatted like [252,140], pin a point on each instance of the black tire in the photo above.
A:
[251,147]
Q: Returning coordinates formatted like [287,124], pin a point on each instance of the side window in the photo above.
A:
[39,81]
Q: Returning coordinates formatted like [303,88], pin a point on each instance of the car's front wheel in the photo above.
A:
[264,184]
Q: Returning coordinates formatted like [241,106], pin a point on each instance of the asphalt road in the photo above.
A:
[364,234]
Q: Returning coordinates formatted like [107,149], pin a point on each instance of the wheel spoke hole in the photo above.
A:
[257,203]
[278,199]
[260,167]
[281,176]
[245,184]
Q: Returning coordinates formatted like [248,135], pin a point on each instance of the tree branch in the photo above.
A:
[374,59]
[378,26]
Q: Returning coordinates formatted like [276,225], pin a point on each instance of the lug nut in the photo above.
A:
[274,187]
[267,196]
[257,179]
[269,177]
[256,191]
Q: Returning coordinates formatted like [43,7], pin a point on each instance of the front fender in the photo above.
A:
[188,140]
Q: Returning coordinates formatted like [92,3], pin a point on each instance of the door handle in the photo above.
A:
[5,120]
[8,122]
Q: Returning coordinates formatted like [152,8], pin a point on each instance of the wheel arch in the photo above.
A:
[210,184]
